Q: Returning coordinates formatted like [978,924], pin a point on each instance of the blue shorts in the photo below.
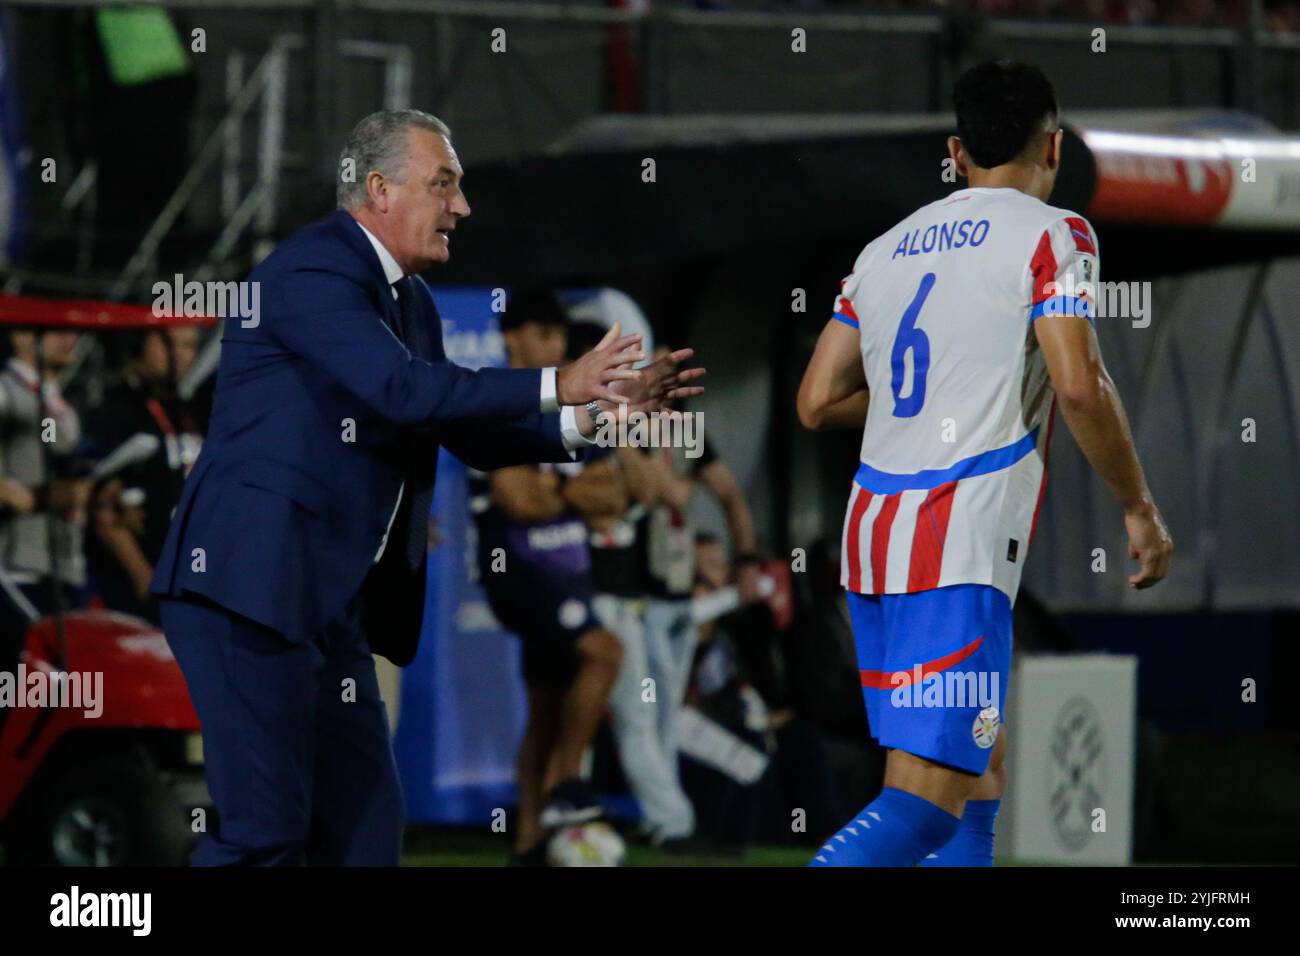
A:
[934,667]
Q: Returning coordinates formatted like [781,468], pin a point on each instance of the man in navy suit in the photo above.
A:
[300,540]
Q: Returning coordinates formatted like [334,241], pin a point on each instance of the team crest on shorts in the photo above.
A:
[573,614]
[985,728]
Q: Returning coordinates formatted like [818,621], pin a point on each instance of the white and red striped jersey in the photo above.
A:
[954,451]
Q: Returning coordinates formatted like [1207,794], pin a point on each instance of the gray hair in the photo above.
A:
[378,143]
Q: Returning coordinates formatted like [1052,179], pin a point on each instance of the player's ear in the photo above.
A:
[958,157]
[1054,149]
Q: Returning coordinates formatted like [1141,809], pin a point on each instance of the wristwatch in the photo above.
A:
[593,411]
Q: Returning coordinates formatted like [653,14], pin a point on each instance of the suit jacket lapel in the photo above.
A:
[357,240]
[425,335]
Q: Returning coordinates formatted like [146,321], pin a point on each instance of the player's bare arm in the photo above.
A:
[833,393]
[848,412]
[598,492]
[720,481]
[114,533]
[526,494]
[722,484]
[640,474]
[17,496]
[674,490]
[1095,416]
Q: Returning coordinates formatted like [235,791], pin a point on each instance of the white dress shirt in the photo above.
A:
[548,400]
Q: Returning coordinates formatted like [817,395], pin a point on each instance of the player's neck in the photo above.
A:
[1025,179]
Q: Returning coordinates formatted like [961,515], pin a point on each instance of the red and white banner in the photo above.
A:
[1210,179]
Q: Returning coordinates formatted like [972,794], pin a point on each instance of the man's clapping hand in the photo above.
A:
[592,377]
[659,383]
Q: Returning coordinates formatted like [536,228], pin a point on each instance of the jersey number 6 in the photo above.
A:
[910,337]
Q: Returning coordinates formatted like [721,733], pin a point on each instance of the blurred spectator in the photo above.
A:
[822,669]
[740,684]
[723,725]
[132,507]
[535,568]
[39,431]
[15,610]
[667,547]
[823,662]
[619,580]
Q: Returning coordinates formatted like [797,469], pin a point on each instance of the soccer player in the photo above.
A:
[956,335]
[528,517]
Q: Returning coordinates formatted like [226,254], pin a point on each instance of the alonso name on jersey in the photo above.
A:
[942,237]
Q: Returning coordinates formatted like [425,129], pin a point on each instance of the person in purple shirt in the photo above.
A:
[535,568]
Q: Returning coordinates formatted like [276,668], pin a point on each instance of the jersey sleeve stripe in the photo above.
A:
[888,483]
[1082,235]
[1079,305]
[844,310]
[853,323]
[928,539]
[1043,269]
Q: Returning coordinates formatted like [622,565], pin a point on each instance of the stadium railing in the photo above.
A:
[281,81]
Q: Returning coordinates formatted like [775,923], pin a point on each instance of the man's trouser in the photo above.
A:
[295,742]
[671,638]
[637,722]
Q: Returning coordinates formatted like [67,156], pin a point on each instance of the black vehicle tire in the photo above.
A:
[111,810]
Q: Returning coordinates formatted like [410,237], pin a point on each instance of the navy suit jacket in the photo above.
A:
[281,516]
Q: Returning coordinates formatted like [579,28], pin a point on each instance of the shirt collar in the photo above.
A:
[24,371]
[392,271]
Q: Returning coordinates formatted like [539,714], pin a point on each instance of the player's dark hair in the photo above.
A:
[583,337]
[1001,105]
[541,306]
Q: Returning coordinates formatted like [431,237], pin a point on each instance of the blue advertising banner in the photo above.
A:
[13,192]
[463,707]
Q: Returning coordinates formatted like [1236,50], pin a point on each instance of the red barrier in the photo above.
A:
[85,314]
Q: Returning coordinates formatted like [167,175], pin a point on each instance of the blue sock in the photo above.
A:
[972,845]
[896,829]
